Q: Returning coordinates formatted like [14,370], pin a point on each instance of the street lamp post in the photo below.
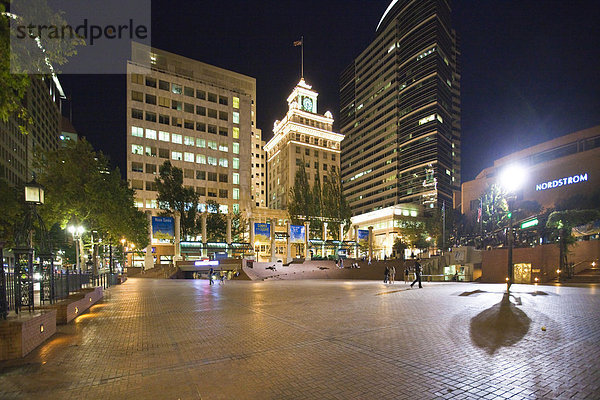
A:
[511,180]
[123,241]
[76,231]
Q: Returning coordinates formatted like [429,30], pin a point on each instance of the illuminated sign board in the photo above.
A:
[204,263]
[529,224]
[297,234]
[562,182]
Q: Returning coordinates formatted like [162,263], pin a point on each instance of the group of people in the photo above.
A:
[390,274]
[211,277]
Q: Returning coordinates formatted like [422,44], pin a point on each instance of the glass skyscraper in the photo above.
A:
[400,111]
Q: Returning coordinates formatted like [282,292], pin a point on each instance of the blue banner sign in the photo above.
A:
[569,180]
[297,233]
[163,228]
[262,232]
[363,235]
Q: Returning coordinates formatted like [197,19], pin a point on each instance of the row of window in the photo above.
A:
[184,156]
[201,190]
[186,107]
[176,138]
[153,204]
[315,153]
[176,121]
[189,173]
[184,90]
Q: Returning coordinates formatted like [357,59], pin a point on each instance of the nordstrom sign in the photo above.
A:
[562,182]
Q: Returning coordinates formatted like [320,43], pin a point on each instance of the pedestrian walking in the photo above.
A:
[210,276]
[222,278]
[406,272]
[392,274]
[417,274]
[386,274]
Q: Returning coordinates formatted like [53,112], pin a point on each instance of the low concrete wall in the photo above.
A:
[545,258]
[19,335]
[68,309]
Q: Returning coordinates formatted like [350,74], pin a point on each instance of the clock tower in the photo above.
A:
[303,137]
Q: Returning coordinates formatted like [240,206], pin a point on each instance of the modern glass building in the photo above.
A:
[400,111]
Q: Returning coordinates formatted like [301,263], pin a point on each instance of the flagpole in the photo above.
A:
[302,51]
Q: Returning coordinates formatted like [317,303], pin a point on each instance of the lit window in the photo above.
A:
[224,208]
[177,89]
[426,119]
[137,149]
[236,194]
[223,162]
[200,158]
[176,155]
[236,132]
[164,136]
[236,102]
[137,131]
[212,145]
[175,138]
[236,148]
[150,203]
[189,157]
[200,142]
[236,208]
[188,141]
[236,117]
[224,147]
[236,163]
[150,134]
[138,203]
[212,160]
[236,178]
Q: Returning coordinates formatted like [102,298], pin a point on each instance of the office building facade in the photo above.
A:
[302,137]
[17,150]
[199,117]
[400,111]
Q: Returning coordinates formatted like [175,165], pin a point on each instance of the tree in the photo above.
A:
[300,197]
[335,206]
[10,210]
[26,58]
[174,197]
[494,208]
[238,227]
[399,247]
[216,223]
[81,187]
[563,222]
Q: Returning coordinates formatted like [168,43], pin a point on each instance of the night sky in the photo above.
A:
[530,68]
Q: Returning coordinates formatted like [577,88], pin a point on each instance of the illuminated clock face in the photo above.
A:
[307,103]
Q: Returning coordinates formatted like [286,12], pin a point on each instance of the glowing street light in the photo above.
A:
[76,231]
[511,180]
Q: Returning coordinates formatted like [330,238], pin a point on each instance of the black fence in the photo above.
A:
[52,287]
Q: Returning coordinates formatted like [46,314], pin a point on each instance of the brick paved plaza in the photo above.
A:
[325,339]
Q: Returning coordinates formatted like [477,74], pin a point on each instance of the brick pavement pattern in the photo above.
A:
[170,339]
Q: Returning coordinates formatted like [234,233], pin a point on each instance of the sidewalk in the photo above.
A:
[320,339]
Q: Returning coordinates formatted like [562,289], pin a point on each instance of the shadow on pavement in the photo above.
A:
[472,292]
[501,325]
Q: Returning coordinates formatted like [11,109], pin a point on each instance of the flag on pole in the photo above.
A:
[298,43]
[479,214]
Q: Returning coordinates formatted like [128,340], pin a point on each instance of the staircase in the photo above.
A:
[590,275]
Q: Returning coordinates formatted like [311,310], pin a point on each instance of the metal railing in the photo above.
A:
[60,285]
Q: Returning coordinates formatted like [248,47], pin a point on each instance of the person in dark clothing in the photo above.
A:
[210,276]
[386,274]
[417,274]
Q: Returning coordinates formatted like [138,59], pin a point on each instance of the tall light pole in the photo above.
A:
[123,241]
[511,180]
[76,231]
